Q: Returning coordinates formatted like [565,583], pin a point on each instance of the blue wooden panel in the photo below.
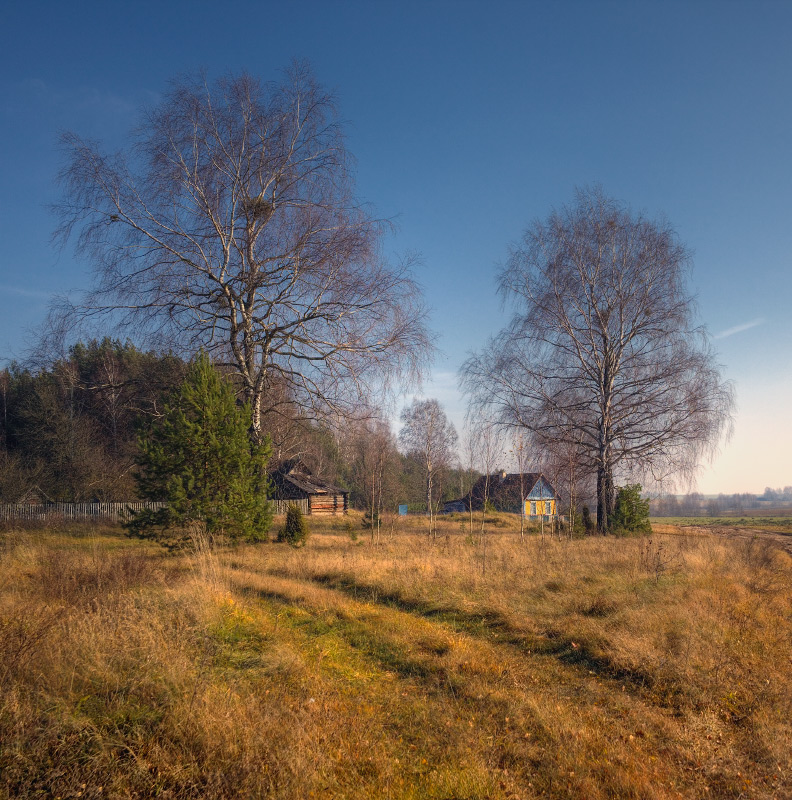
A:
[541,489]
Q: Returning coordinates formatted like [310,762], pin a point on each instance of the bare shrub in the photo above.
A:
[70,576]
[600,606]
[22,634]
[656,558]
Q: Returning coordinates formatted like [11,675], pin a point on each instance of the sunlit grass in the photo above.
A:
[454,667]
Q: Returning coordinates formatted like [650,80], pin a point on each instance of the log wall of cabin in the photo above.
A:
[328,504]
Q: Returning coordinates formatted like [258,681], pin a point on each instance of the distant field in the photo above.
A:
[771,523]
[654,667]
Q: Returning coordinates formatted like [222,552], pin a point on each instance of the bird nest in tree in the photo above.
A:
[258,207]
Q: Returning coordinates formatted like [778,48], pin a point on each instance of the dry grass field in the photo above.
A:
[593,668]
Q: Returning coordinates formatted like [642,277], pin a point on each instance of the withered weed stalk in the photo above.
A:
[656,558]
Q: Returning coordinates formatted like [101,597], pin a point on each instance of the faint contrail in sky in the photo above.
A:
[739,328]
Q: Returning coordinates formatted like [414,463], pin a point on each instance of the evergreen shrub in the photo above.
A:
[631,512]
[295,530]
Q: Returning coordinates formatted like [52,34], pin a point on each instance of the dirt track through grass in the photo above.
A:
[586,682]
[500,692]
[603,668]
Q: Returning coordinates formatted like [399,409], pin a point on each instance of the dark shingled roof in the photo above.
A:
[299,475]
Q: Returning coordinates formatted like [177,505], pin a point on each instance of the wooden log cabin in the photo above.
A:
[293,482]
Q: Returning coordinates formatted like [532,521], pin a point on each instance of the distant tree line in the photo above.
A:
[784,494]
[70,430]
[696,504]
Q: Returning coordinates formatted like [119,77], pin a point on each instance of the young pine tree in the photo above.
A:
[631,514]
[198,457]
[295,530]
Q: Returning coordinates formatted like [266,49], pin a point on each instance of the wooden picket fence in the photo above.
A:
[110,512]
[47,512]
[282,506]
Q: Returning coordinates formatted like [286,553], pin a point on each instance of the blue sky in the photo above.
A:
[468,120]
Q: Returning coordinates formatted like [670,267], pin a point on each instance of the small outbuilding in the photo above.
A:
[293,482]
[506,492]
[33,496]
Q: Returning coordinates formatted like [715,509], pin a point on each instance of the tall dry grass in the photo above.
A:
[447,668]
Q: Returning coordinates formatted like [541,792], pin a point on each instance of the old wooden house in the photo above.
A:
[505,492]
[33,496]
[293,482]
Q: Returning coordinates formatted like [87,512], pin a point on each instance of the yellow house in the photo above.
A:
[541,500]
[538,508]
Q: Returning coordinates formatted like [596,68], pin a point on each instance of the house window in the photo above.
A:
[533,508]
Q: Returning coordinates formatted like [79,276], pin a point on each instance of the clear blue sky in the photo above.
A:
[468,120]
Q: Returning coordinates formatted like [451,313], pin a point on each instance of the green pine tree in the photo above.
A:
[198,457]
[295,531]
[631,512]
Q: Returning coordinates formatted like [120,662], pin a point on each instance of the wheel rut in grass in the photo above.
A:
[496,628]
[385,635]
[368,607]
[490,678]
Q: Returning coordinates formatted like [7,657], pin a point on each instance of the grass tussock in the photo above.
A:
[464,666]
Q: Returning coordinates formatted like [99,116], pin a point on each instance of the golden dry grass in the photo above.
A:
[593,668]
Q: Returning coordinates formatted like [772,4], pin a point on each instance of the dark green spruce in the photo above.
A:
[198,457]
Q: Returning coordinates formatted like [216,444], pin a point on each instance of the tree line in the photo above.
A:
[695,504]
[70,430]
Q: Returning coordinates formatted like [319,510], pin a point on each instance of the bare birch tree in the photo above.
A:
[467,470]
[489,446]
[231,224]
[602,349]
[428,433]
[518,449]
[373,464]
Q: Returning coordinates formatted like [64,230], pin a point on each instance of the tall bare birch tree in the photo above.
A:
[231,224]
[489,446]
[602,352]
[467,467]
[428,434]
